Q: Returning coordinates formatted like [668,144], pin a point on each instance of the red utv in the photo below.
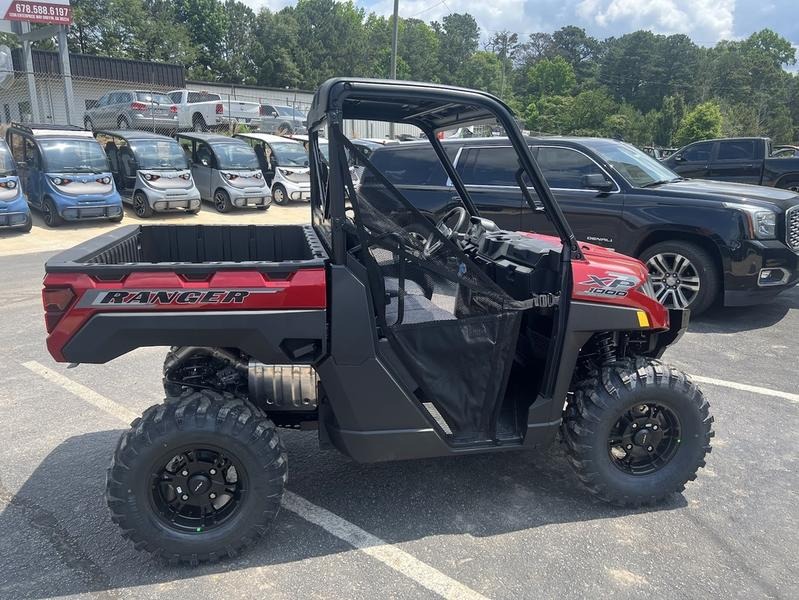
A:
[394,337]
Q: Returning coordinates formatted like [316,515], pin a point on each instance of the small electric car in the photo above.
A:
[284,163]
[150,171]
[226,171]
[64,172]
[14,211]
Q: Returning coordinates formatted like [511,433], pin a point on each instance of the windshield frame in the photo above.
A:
[594,146]
[280,157]
[8,166]
[216,148]
[42,143]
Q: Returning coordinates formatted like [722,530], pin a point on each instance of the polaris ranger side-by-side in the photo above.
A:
[395,337]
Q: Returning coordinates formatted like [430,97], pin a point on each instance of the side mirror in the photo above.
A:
[274,113]
[597,181]
[679,158]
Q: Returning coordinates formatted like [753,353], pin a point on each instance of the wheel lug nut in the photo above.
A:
[184,497]
[212,495]
[655,427]
[212,471]
[635,425]
[649,448]
[629,446]
[184,473]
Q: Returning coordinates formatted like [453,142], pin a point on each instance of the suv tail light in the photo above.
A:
[138,106]
[173,109]
[56,302]
[219,108]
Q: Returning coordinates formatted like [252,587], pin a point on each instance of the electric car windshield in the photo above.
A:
[236,156]
[6,161]
[290,154]
[74,156]
[159,155]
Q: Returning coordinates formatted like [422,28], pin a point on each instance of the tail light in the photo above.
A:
[220,108]
[138,106]
[56,302]
[173,109]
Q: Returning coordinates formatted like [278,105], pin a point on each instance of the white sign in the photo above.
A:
[54,12]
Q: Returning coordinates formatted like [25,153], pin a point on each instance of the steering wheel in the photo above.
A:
[433,244]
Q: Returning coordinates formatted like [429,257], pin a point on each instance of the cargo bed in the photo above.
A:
[198,249]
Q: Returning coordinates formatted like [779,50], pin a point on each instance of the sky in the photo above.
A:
[705,21]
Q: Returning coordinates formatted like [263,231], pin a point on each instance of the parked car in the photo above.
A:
[283,120]
[226,171]
[151,172]
[659,153]
[785,152]
[133,109]
[14,210]
[702,240]
[742,160]
[284,163]
[199,111]
[64,173]
[366,146]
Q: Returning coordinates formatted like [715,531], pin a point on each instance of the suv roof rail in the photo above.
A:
[29,127]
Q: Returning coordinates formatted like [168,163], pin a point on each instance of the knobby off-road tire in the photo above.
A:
[603,405]
[191,428]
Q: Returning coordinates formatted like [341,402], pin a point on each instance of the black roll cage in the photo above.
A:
[431,108]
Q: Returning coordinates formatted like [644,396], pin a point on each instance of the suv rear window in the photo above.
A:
[417,166]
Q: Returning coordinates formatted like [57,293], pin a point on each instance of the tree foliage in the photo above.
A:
[644,87]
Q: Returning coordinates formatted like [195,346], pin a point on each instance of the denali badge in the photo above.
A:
[615,284]
[174,297]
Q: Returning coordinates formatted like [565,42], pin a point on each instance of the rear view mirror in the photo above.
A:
[597,181]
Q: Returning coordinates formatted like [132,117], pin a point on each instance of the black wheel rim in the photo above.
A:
[138,205]
[220,201]
[198,489]
[644,439]
[47,214]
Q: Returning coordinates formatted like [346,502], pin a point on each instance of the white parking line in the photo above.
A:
[744,387]
[81,391]
[399,560]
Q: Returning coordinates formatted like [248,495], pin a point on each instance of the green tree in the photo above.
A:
[578,49]
[458,35]
[482,71]
[418,47]
[550,77]
[589,112]
[703,122]
[554,115]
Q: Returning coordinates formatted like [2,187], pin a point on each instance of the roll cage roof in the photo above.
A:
[430,107]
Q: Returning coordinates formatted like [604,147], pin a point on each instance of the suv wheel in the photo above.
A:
[222,201]
[197,478]
[123,123]
[141,206]
[279,195]
[790,184]
[50,214]
[198,123]
[683,275]
[637,432]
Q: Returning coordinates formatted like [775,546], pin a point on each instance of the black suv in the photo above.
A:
[702,240]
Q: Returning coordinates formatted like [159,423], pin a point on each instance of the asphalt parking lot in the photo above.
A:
[514,525]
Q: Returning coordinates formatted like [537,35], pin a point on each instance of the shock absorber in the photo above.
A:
[605,347]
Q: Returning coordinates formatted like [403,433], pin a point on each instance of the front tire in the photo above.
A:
[279,195]
[28,225]
[222,201]
[197,478]
[141,206]
[634,436]
[50,214]
[683,275]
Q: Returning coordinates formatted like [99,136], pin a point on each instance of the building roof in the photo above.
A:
[104,67]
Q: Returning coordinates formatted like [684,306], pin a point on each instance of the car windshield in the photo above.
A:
[290,154]
[637,167]
[157,98]
[6,161]
[159,154]
[74,156]
[236,156]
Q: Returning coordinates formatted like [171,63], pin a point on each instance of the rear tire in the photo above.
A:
[697,269]
[279,195]
[198,123]
[604,401]
[141,205]
[222,201]
[202,435]
[50,214]
[123,124]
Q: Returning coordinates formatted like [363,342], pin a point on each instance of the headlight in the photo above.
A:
[56,180]
[258,175]
[229,176]
[104,180]
[185,176]
[286,172]
[761,223]
[10,184]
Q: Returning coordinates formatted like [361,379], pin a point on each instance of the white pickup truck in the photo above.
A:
[204,111]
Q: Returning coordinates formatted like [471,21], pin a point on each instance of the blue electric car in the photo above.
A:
[14,211]
[65,173]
